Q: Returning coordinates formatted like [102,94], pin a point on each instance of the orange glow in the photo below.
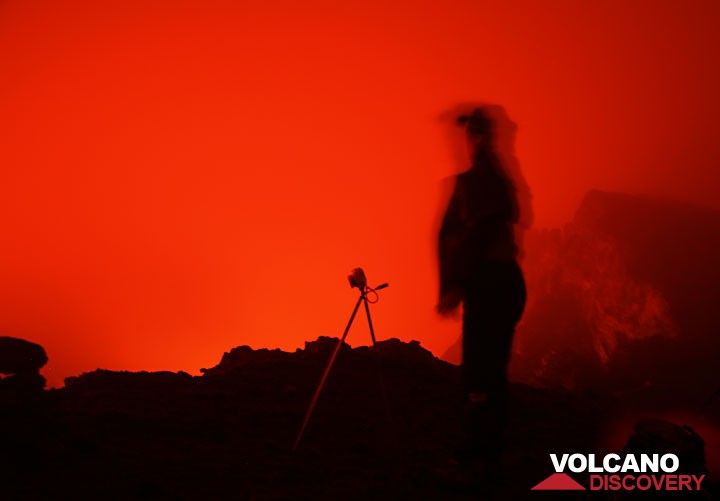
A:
[185,177]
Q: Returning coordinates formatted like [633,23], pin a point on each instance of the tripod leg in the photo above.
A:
[369,318]
[378,362]
[324,377]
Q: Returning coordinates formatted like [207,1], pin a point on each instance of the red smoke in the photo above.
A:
[178,179]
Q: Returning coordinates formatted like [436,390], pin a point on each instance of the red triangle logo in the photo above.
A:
[558,482]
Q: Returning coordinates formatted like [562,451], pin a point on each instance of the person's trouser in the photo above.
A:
[493,305]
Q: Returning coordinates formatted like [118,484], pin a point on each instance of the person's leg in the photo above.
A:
[491,313]
[473,349]
[508,304]
[474,368]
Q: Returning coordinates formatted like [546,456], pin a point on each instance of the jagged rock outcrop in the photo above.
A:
[20,364]
[19,356]
[621,297]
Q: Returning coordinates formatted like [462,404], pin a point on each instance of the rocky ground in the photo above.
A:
[228,433]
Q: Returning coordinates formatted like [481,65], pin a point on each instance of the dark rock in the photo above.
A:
[106,379]
[240,356]
[323,344]
[658,436]
[20,361]
[393,348]
[23,383]
[20,356]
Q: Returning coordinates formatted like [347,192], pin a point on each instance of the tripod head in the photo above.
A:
[358,280]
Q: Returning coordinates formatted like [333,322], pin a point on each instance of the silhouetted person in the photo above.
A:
[478,267]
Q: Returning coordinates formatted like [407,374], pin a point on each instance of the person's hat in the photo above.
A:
[477,122]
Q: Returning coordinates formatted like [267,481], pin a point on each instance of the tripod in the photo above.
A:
[363,299]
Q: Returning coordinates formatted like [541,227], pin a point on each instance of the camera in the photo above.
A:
[357,279]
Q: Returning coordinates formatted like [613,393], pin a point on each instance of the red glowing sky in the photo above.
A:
[183,177]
